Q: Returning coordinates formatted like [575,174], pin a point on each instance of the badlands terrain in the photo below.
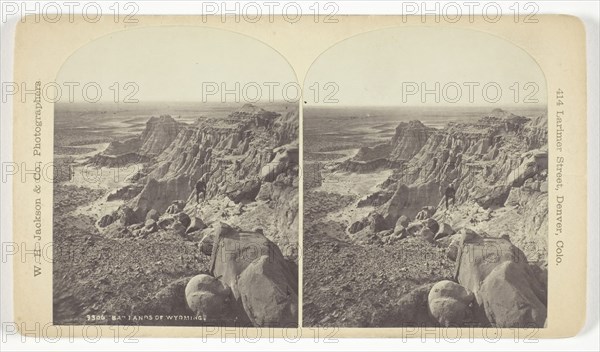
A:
[380,246]
[129,235]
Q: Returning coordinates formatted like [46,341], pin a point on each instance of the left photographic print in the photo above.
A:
[176,182]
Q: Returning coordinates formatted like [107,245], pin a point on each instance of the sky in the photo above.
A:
[458,67]
[402,66]
[179,64]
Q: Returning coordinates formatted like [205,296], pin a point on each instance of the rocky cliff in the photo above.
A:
[157,135]
[248,158]
[497,164]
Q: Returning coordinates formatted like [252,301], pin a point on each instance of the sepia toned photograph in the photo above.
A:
[312,180]
[176,199]
[426,183]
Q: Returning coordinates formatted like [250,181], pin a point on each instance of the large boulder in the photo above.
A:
[126,216]
[268,292]
[196,224]
[510,299]
[410,310]
[243,191]
[377,223]
[170,300]
[431,224]
[403,222]
[449,303]
[507,291]
[427,234]
[209,298]
[267,295]
[184,219]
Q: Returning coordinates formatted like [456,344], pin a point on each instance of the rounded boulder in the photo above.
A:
[449,303]
[208,297]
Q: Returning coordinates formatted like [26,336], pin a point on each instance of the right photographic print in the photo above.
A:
[425,168]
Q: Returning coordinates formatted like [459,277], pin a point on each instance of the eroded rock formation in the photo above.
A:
[498,162]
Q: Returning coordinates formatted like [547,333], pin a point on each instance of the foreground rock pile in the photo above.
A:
[494,286]
[250,282]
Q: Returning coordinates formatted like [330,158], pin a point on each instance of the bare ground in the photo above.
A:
[352,285]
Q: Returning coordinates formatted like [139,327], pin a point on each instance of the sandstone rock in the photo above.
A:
[513,295]
[152,214]
[106,220]
[410,200]
[268,292]
[509,298]
[430,209]
[432,225]
[126,216]
[196,224]
[533,162]
[371,224]
[451,289]
[160,193]
[158,134]
[376,222]
[243,191]
[410,310]
[170,300]
[403,221]
[445,230]
[208,298]
[494,196]
[408,140]
[184,219]
[449,303]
